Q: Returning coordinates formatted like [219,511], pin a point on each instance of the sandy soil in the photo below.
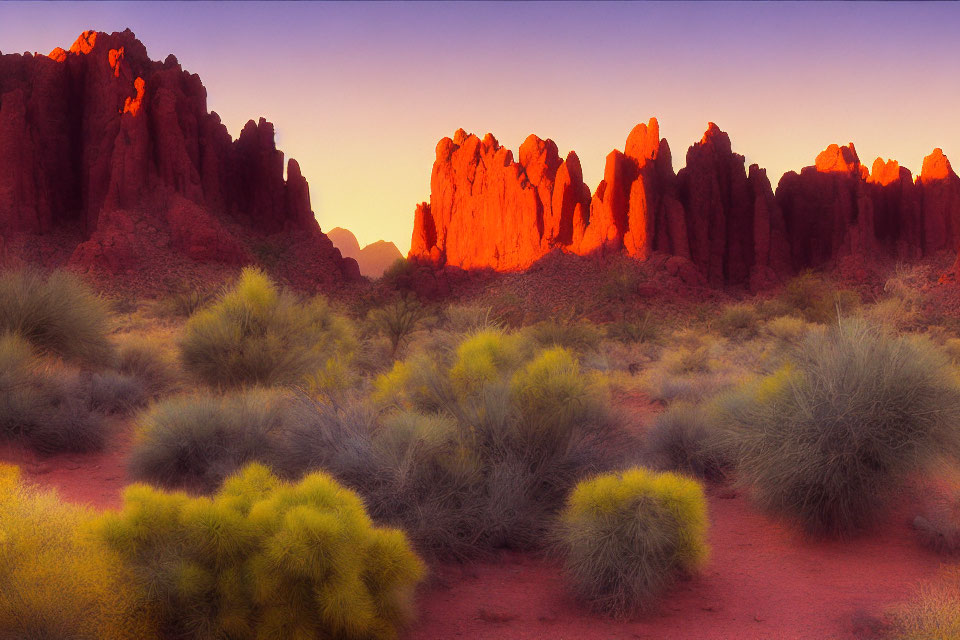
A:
[763,580]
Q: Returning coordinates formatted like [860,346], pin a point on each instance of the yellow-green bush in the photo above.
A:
[933,613]
[520,426]
[256,334]
[265,559]
[56,313]
[626,536]
[57,581]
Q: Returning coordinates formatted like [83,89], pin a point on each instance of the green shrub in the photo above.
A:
[147,363]
[738,322]
[786,331]
[625,537]
[682,439]
[110,393]
[644,330]
[579,336]
[47,407]
[185,299]
[265,559]
[56,580]
[56,313]
[255,334]
[815,300]
[827,441]
[469,318]
[398,320]
[198,440]
[488,444]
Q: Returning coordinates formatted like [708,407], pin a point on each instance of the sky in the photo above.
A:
[361,93]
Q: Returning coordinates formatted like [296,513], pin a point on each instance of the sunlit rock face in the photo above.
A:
[104,139]
[487,211]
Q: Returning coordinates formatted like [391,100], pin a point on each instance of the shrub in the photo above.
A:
[265,559]
[826,441]
[487,446]
[56,580]
[643,330]
[815,300]
[786,331]
[739,322]
[185,299]
[255,334]
[147,363]
[469,318]
[110,393]
[55,313]
[196,441]
[579,336]
[626,536]
[398,320]
[682,439]
[933,614]
[49,409]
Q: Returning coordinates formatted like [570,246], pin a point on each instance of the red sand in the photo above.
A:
[96,479]
[763,580]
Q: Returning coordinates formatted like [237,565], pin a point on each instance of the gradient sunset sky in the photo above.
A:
[361,93]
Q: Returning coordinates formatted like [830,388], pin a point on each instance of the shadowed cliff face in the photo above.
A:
[488,211]
[102,139]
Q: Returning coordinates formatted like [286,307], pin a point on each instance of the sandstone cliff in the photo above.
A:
[122,149]
[720,221]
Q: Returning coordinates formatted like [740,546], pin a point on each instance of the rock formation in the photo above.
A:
[718,221]
[103,140]
[714,214]
[374,258]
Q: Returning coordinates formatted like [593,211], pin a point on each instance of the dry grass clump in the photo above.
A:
[52,409]
[580,336]
[148,362]
[645,329]
[814,299]
[56,580]
[933,614]
[683,439]
[827,440]
[198,440]
[692,367]
[469,318]
[56,313]
[786,331]
[185,299]
[256,334]
[265,559]
[738,322]
[625,537]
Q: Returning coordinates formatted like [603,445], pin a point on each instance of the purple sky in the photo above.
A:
[361,93]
